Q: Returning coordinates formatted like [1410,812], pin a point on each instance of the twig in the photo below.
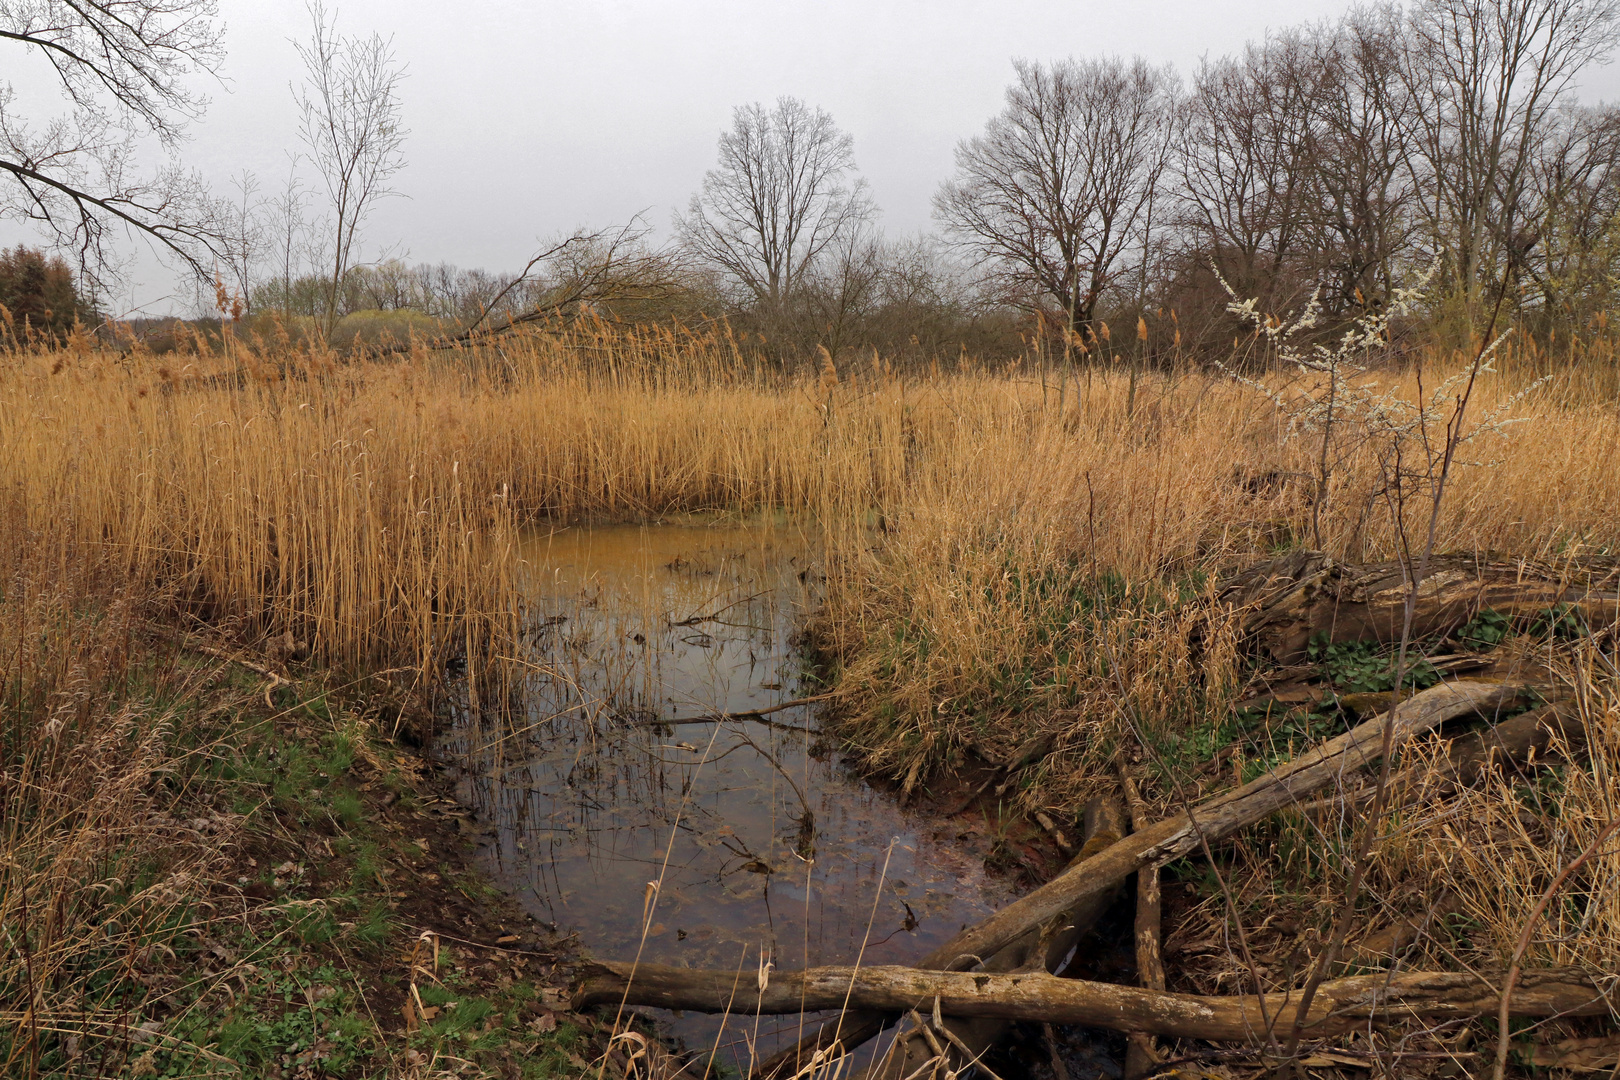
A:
[967,1052]
[1504,1011]
[756,716]
[1232,913]
[1059,837]
[933,1043]
[1059,1070]
[745,714]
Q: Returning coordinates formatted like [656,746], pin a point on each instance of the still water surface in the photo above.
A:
[759,840]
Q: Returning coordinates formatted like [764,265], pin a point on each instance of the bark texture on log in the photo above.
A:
[1342,1005]
[1212,820]
[1289,600]
[1530,737]
[1526,741]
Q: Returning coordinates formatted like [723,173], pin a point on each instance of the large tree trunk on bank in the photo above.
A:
[1211,821]
[1291,599]
[1341,1006]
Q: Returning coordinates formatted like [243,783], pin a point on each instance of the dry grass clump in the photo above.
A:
[106,862]
[1498,846]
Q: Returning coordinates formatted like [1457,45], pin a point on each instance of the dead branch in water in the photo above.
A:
[755,715]
[1343,1005]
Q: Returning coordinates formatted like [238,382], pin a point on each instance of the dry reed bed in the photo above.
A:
[370,509]
[1037,573]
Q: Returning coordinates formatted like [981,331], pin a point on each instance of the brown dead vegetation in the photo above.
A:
[1024,569]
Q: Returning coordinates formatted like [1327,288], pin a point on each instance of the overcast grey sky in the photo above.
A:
[528,119]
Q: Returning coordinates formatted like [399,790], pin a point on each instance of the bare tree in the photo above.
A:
[1487,76]
[124,67]
[1244,155]
[350,124]
[838,295]
[249,233]
[780,199]
[290,240]
[1060,187]
[1360,198]
[1576,215]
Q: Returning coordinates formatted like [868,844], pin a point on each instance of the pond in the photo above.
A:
[628,810]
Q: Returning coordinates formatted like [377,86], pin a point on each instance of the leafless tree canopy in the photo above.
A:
[1245,154]
[1061,184]
[122,66]
[781,198]
[1575,193]
[1340,158]
[1487,76]
[349,121]
[1293,163]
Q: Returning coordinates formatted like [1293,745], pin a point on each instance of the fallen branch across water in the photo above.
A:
[755,715]
[1341,1006]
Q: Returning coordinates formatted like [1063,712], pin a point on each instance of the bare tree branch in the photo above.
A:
[123,66]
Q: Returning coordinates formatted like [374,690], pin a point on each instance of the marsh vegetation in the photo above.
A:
[968,560]
[1166,621]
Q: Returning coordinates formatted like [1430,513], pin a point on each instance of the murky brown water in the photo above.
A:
[759,843]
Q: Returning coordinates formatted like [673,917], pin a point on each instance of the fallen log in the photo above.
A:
[1527,740]
[1221,816]
[1211,821]
[1288,601]
[1342,1005]
[1040,949]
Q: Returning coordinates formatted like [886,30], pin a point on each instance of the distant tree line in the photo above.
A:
[1336,161]
[1329,164]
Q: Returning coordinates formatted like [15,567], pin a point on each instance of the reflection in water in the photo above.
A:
[612,780]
